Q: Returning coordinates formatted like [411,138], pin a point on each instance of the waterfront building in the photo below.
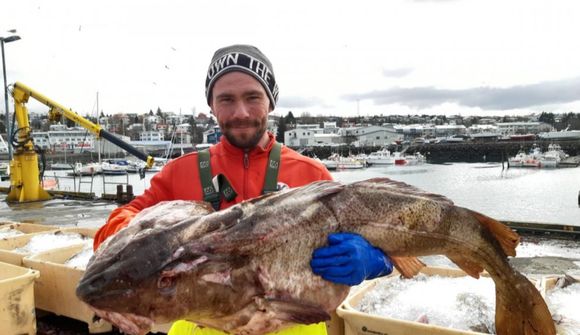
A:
[330,135]
[371,135]
[511,128]
[151,135]
[59,137]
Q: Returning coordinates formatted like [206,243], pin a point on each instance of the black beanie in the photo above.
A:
[243,58]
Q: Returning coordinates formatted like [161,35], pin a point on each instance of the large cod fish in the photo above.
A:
[245,270]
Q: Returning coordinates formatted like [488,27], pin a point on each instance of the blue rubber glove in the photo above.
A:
[349,259]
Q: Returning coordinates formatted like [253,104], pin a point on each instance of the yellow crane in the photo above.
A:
[25,182]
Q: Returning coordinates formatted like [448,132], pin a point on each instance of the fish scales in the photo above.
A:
[245,270]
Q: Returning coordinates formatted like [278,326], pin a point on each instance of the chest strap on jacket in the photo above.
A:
[271,179]
[209,192]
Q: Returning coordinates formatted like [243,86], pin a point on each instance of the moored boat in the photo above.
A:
[381,157]
[89,169]
[337,162]
[536,158]
[114,168]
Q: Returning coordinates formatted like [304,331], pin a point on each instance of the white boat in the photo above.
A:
[135,166]
[549,161]
[89,169]
[399,158]
[381,157]
[518,159]
[337,162]
[114,168]
[415,159]
[560,135]
[552,157]
[522,159]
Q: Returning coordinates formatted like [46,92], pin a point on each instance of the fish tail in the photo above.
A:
[527,314]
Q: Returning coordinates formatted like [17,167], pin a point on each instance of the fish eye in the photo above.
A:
[166,284]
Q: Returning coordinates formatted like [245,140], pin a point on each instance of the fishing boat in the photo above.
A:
[530,159]
[553,156]
[380,157]
[337,162]
[415,159]
[399,158]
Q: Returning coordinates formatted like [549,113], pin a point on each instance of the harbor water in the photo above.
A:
[515,194]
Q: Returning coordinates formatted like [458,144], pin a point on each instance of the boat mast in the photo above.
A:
[98,140]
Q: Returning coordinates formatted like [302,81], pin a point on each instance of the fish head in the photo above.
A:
[157,272]
[121,276]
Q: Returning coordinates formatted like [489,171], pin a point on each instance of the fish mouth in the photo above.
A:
[94,293]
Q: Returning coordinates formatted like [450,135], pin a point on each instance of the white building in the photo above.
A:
[151,135]
[371,135]
[511,128]
[312,135]
[59,137]
[302,136]
[450,130]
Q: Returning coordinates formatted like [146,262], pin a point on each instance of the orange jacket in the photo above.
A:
[179,179]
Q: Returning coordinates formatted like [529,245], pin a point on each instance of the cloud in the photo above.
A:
[486,98]
[398,72]
[299,102]
[433,0]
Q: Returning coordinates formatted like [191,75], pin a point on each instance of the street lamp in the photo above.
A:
[7,118]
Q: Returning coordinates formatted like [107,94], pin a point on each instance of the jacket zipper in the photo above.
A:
[246,160]
[246,167]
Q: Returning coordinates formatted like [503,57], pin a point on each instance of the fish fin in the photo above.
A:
[530,316]
[407,266]
[507,238]
[471,268]
[297,311]
[311,192]
[401,187]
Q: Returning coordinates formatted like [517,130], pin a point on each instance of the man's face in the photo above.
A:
[241,107]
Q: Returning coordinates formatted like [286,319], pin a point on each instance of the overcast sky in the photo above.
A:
[346,58]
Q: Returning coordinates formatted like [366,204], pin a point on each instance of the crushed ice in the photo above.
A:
[461,303]
[81,259]
[9,232]
[47,241]
[548,248]
[564,304]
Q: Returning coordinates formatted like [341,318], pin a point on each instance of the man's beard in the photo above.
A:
[244,141]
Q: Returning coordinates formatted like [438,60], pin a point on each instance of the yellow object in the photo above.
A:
[17,300]
[55,290]
[183,327]
[24,173]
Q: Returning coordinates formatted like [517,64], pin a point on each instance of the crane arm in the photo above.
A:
[22,93]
